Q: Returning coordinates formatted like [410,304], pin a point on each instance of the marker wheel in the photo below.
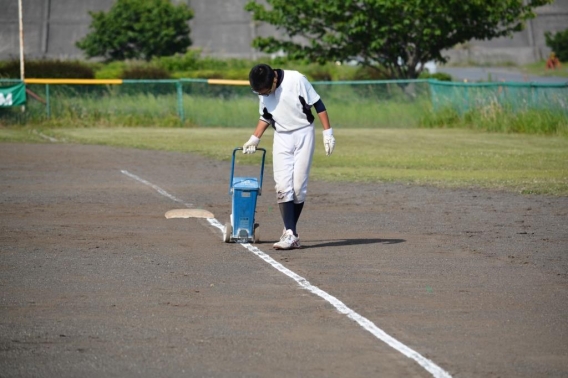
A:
[256,234]
[227,232]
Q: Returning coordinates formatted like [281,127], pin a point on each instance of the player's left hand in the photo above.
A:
[328,141]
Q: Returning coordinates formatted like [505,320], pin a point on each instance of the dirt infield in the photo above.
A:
[96,282]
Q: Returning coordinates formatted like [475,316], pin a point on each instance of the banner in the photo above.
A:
[14,95]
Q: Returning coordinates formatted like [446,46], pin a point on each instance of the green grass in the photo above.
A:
[539,69]
[25,135]
[440,157]
[495,118]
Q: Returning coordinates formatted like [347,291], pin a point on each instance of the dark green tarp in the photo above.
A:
[14,95]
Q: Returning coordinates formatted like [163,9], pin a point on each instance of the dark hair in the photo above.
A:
[261,77]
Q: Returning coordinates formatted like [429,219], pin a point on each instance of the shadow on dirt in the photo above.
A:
[344,242]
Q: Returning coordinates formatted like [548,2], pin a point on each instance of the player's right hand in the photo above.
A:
[250,146]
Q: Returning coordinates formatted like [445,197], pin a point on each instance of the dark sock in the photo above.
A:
[297,211]
[287,212]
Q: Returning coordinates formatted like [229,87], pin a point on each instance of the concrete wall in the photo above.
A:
[51,27]
[523,47]
[222,28]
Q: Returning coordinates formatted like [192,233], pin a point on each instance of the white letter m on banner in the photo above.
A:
[6,101]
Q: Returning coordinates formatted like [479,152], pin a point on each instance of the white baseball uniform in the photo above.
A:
[287,110]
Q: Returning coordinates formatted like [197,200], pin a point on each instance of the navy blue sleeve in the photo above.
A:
[319,106]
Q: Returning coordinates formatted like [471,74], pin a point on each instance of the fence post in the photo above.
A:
[47,106]
[180,101]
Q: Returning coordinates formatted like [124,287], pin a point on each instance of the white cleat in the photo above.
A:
[288,241]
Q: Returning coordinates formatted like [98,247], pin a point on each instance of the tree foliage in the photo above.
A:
[394,36]
[138,29]
[558,43]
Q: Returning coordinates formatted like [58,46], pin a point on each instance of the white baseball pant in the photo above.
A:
[292,158]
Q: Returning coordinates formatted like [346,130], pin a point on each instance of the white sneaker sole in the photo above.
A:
[286,249]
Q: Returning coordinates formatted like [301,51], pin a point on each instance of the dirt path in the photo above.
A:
[96,282]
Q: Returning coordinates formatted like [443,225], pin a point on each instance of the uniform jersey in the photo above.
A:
[288,108]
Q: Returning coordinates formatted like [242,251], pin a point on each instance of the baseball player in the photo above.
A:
[285,101]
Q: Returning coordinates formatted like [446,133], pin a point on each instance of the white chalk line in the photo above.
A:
[341,307]
[42,135]
[157,188]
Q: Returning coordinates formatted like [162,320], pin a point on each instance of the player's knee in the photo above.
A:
[300,196]
[284,195]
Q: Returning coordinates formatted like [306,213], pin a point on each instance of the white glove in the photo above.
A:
[328,141]
[250,146]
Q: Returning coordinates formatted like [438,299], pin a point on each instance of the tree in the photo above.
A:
[396,37]
[558,43]
[138,29]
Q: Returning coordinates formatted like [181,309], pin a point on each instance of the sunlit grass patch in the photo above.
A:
[440,157]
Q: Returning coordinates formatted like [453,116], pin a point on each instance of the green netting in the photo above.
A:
[195,102]
[350,104]
[516,97]
[382,104]
[219,105]
[131,103]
